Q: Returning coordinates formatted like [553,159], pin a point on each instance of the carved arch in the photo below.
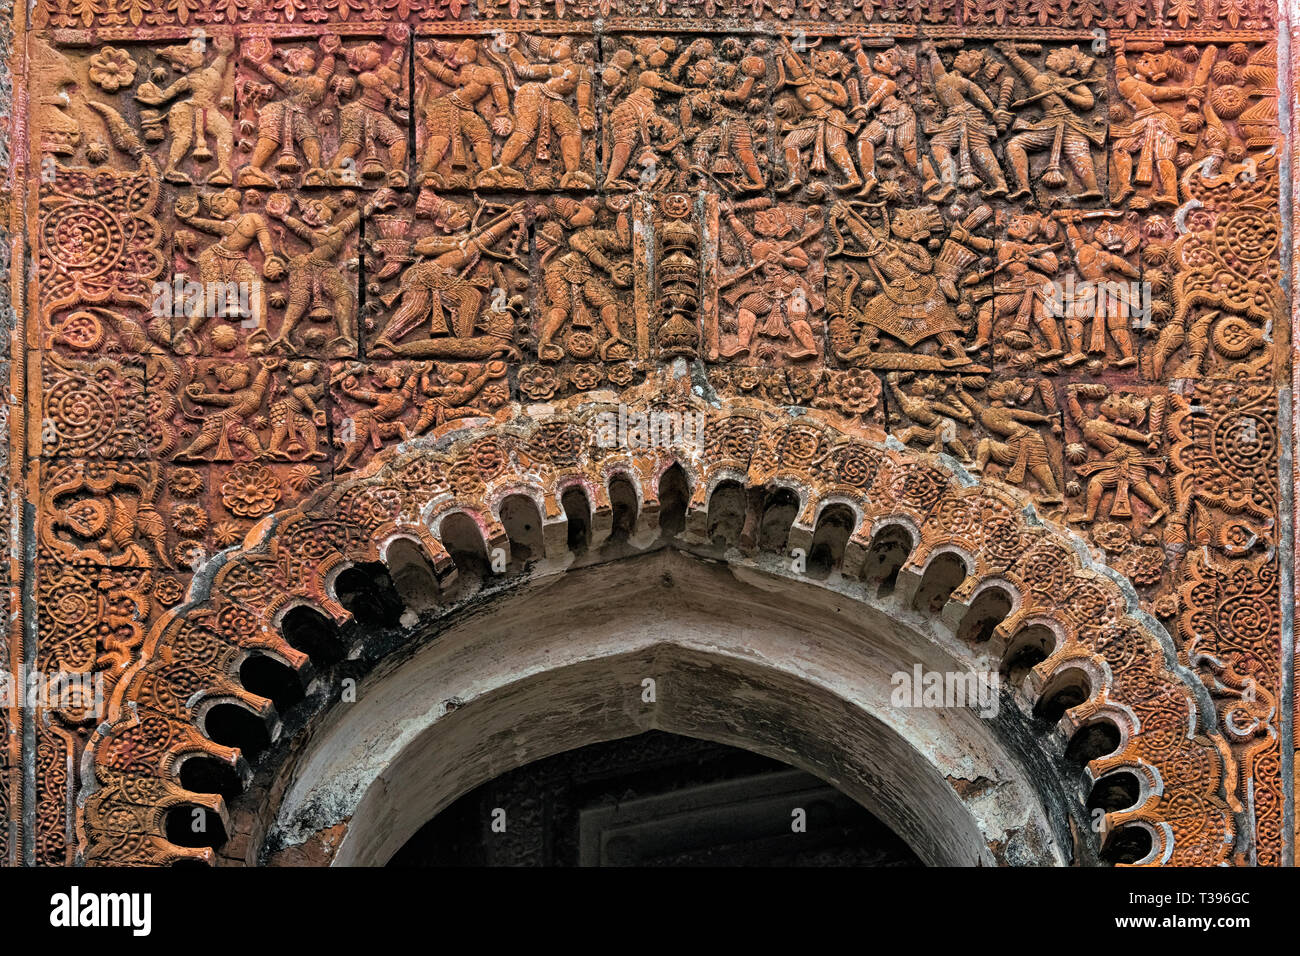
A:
[1086,616]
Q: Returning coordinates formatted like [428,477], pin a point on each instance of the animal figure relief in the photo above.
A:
[721,112]
[287,123]
[206,112]
[1122,458]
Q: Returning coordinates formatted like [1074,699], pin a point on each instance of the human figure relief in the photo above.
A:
[394,391]
[720,90]
[782,291]
[287,122]
[316,275]
[1122,467]
[892,128]
[1022,281]
[232,407]
[934,421]
[1111,295]
[822,126]
[427,288]
[1019,447]
[225,262]
[909,303]
[474,89]
[211,92]
[1061,91]
[449,391]
[635,123]
[577,280]
[375,119]
[296,415]
[1152,135]
[961,140]
[541,110]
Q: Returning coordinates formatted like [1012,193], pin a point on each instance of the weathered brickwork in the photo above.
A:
[293,277]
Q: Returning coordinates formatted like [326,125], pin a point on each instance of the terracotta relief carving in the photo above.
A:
[287,259]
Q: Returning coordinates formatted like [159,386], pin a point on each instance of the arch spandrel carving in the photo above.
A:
[192,656]
[981,287]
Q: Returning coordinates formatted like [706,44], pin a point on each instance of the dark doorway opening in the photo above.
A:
[656,799]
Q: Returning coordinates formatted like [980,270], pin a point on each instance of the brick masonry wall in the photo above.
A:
[867,209]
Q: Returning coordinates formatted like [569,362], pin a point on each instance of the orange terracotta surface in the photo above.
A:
[459,232]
